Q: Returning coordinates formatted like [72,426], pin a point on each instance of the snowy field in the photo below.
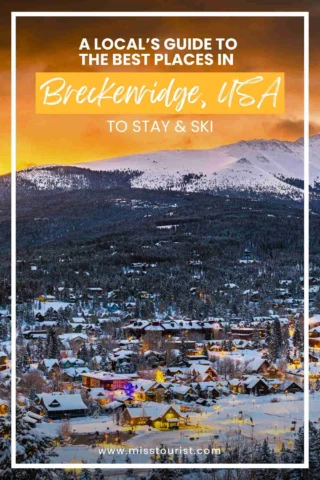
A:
[216,425]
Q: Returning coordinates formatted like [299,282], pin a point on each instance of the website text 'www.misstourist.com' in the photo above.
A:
[159,451]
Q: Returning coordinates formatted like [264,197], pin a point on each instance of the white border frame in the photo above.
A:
[305,16]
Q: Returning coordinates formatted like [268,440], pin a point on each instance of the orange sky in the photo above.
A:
[51,44]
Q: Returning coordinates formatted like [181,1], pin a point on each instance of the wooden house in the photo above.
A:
[202,372]
[58,405]
[185,393]
[290,387]
[262,367]
[149,390]
[254,385]
[156,415]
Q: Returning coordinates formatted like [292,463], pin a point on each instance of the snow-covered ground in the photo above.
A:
[241,356]
[216,425]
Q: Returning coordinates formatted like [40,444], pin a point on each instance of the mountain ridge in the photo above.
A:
[256,166]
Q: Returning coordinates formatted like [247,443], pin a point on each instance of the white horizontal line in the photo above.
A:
[160,14]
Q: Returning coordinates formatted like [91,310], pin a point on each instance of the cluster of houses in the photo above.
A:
[159,402]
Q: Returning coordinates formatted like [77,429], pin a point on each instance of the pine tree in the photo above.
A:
[85,474]
[297,337]
[83,353]
[5,447]
[32,395]
[99,349]
[3,331]
[20,363]
[66,475]
[205,352]
[42,474]
[284,455]
[183,352]
[52,344]
[314,452]
[168,474]
[31,448]
[29,351]
[98,474]
[95,410]
[175,458]
[255,338]
[195,458]
[91,351]
[268,333]
[265,455]
[275,343]
[137,312]
[40,349]
[25,362]
[210,457]
[298,448]
[163,456]
[285,348]
[128,459]
[129,474]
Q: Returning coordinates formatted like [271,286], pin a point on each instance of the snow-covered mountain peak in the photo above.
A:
[246,166]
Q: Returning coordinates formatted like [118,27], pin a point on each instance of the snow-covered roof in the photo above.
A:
[315,329]
[174,369]
[151,410]
[34,415]
[74,360]
[154,328]
[106,376]
[58,401]
[234,382]
[78,320]
[255,364]
[97,393]
[182,389]
[252,381]
[113,405]
[50,362]
[83,325]
[47,323]
[314,369]
[76,371]
[143,385]
[121,354]
[71,336]
[287,383]
[200,369]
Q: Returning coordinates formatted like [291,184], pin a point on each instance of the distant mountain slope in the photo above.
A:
[255,167]
[63,179]
[259,165]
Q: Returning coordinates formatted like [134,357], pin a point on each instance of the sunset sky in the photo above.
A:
[51,44]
